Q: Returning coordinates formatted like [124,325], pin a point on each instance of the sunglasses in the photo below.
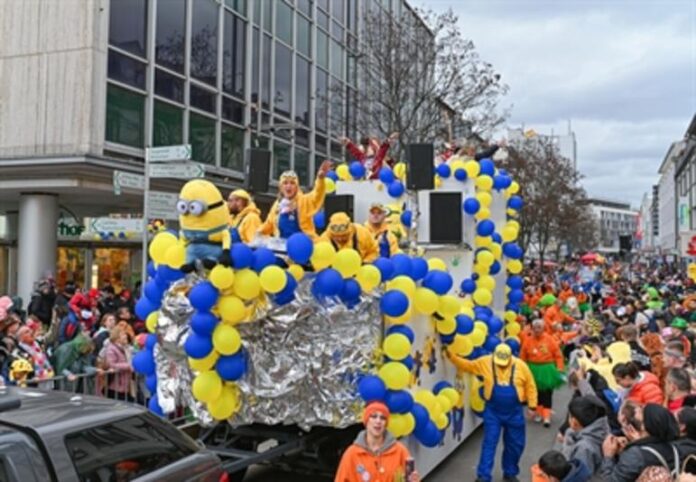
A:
[196,208]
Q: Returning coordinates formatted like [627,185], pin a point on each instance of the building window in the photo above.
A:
[305,6]
[171,34]
[255,66]
[204,32]
[167,128]
[338,10]
[233,55]
[237,6]
[322,49]
[302,166]
[266,72]
[202,138]
[232,148]
[203,99]
[232,110]
[125,116]
[284,22]
[304,36]
[336,59]
[169,86]
[283,77]
[302,91]
[126,70]
[128,26]
[281,158]
[322,102]
[267,15]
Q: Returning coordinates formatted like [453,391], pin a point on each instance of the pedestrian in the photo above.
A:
[641,387]
[507,386]
[42,301]
[639,356]
[106,325]
[559,469]
[118,359]
[34,353]
[589,427]
[375,455]
[678,390]
[72,359]
[107,299]
[68,291]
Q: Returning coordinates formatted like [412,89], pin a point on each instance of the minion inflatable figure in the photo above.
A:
[204,223]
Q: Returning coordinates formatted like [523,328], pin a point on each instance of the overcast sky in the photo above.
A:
[623,72]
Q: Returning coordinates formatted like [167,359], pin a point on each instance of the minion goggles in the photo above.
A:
[196,208]
[340,228]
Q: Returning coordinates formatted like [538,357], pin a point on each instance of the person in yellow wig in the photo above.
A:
[377,225]
[343,233]
[245,217]
[294,211]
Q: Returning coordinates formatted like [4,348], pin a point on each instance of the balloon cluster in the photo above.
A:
[144,364]
[109,235]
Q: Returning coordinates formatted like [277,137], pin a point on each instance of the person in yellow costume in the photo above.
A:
[294,211]
[245,217]
[377,225]
[343,233]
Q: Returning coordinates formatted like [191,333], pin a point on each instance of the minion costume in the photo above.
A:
[385,238]
[290,216]
[243,225]
[507,386]
[204,222]
[342,233]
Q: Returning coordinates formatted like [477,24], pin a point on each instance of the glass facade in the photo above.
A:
[232,74]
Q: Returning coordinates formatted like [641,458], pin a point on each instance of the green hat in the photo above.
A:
[679,323]
[652,292]
[547,300]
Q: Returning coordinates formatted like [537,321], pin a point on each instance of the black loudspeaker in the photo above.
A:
[421,162]
[446,217]
[336,203]
[626,243]
[258,170]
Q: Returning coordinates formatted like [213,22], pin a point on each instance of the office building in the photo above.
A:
[618,224]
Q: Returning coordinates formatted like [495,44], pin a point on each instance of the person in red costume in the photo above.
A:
[371,154]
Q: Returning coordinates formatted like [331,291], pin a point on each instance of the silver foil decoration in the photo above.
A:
[303,358]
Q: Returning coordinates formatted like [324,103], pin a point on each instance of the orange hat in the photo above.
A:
[375,407]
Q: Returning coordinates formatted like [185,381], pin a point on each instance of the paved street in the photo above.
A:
[461,465]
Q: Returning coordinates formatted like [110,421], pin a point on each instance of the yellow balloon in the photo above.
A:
[343,172]
[207,386]
[485,258]
[404,284]
[483,297]
[482,270]
[368,277]
[484,198]
[400,171]
[444,401]
[231,309]
[347,262]
[446,326]
[398,424]
[204,364]
[452,394]
[476,403]
[436,263]
[426,398]
[496,249]
[296,271]
[477,337]
[273,279]
[483,213]
[323,255]
[481,326]
[510,316]
[425,301]
[176,256]
[396,346]
[221,277]
[456,163]
[437,181]
[159,246]
[409,422]
[484,182]
[449,306]
[441,422]
[514,224]
[513,328]
[330,185]
[151,321]
[511,213]
[462,345]
[483,241]
[514,266]
[514,188]
[468,308]
[508,234]
[226,339]
[472,169]
[226,404]
[246,284]
[395,375]
[486,282]
[400,320]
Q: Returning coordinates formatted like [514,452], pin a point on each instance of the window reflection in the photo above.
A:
[171,34]
[233,55]
[302,91]
[204,33]
[127,25]
[283,76]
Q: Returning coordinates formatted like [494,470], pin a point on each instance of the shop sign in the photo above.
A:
[169,153]
[70,230]
[683,214]
[162,205]
[115,225]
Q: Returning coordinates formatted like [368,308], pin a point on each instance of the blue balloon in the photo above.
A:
[386,175]
[465,325]
[320,220]
[169,274]
[402,265]
[155,407]
[150,341]
[403,330]
[516,296]
[153,291]
[419,268]
[144,307]
[203,296]
[514,346]
[197,346]
[204,322]
[483,312]
[231,368]
[151,269]
[515,202]
[329,282]
[515,282]
[332,175]
[438,281]
[471,206]
[385,267]
[394,303]
[357,170]
[151,383]
[447,339]
[162,282]
[441,385]
[443,170]
[396,189]
[144,362]
[491,342]
[300,248]
[399,401]
[499,182]
[242,256]
[372,388]
[468,285]
[429,436]
[350,294]
[512,307]
[262,258]
[407,218]
[287,295]
[408,362]
[460,174]
[420,415]
[495,324]
[487,167]
[495,268]
[485,227]
[497,238]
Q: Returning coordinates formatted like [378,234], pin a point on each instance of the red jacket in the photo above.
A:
[647,390]
[376,162]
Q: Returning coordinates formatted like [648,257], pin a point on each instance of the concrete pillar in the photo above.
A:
[37,240]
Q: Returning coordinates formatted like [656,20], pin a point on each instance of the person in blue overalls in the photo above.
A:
[508,385]
[245,217]
[379,229]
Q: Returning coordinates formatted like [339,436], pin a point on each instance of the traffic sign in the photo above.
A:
[179,170]
[111,225]
[162,205]
[128,180]
[169,153]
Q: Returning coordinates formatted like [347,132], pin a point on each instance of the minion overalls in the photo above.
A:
[199,245]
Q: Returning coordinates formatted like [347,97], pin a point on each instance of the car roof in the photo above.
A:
[46,411]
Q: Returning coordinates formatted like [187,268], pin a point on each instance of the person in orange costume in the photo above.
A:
[554,314]
[375,455]
[565,293]
[543,355]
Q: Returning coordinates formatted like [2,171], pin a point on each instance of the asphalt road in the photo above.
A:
[461,465]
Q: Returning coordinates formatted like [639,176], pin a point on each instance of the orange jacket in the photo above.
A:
[386,465]
[542,350]
[647,390]
[553,315]
[565,294]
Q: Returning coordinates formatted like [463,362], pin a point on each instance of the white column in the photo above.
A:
[37,240]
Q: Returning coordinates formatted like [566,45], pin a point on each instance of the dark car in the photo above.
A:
[56,436]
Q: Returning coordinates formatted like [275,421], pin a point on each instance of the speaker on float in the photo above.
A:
[337,203]
[445,217]
[258,170]
[421,161]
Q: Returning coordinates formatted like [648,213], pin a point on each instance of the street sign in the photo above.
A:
[169,153]
[179,170]
[128,180]
[112,225]
[162,205]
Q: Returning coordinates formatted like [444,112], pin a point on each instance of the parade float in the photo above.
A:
[275,349]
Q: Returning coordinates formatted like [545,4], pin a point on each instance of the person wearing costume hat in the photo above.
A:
[679,327]
[245,217]
[294,211]
[379,229]
[375,455]
[507,386]
[342,233]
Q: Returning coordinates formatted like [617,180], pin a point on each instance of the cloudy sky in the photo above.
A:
[623,72]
